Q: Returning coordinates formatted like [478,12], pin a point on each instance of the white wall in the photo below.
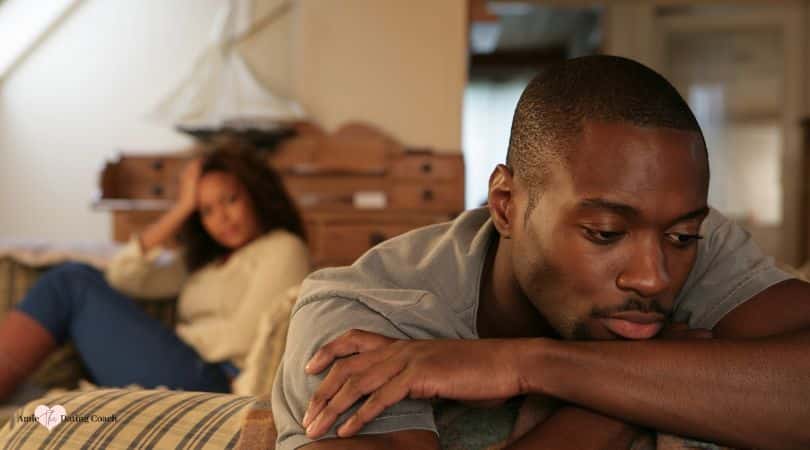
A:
[399,65]
[80,96]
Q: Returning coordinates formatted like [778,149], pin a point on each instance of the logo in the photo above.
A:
[50,417]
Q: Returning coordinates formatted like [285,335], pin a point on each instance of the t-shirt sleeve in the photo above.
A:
[729,270]
[312,325]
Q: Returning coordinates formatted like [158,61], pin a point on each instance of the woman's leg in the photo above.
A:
[24,343]
[118,342]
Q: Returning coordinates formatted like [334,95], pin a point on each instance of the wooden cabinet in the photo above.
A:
[142,177]
[351,198]
[337,239]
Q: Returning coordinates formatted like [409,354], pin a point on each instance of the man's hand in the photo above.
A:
[392,370]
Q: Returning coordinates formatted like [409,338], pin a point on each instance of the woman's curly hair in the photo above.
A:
[273,206]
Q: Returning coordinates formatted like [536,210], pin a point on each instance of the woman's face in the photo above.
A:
[226,209]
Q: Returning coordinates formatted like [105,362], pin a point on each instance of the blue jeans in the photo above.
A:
[118,343]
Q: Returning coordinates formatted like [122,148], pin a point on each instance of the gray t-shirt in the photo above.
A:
[425,285]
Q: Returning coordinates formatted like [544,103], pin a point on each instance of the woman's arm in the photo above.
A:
[135,270]
[169,223]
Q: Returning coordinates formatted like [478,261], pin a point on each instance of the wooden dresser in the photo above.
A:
[355,188]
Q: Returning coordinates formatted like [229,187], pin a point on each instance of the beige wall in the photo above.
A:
[399,64]
[84,93]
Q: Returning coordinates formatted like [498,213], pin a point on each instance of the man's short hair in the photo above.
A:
[554,106]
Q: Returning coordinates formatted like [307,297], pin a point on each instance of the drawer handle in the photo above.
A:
[427,167]
[157,190]
[375,238]
[427,195]
[157,165]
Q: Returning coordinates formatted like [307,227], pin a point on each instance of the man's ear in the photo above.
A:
[501,200]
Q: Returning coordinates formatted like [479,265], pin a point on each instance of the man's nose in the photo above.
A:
[646,271]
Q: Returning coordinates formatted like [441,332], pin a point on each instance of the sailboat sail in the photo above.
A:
[221,86]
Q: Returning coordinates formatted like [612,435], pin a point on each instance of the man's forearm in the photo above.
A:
[748,393]
[578,429]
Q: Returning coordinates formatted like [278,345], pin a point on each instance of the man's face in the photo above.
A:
[612,239]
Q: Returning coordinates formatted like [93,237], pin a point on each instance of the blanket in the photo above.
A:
[43,253]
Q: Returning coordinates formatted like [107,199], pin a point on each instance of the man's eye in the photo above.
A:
[683,240]
[603,237]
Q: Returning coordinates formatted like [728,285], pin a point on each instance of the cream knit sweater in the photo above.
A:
[220,305]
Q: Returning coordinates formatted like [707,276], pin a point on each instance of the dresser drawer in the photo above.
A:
[148,177]
[434,197]
[338,239]
[155,189]
[428,166]
[342,244]
[336,193]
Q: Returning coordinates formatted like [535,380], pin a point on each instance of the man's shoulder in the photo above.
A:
[421,259]
[729,270]
[432,270]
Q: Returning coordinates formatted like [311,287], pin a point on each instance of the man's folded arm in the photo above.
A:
[575,428]
[747,388]
[398,440]
[408,424]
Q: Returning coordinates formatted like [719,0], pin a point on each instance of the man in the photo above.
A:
[597,240]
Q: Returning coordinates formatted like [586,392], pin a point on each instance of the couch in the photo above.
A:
[148,418]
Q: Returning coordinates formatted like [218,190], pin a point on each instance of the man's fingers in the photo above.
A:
[339,374]
[350,393]
[351,342]
[338,393]
[394,391]
[332,383]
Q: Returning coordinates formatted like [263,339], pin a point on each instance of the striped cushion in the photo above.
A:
[143,419]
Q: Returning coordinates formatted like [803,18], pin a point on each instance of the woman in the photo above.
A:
[243,243]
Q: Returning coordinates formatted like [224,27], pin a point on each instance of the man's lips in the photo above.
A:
[634,324]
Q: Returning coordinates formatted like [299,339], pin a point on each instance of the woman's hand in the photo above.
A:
[391,370]
[166,227]
[187,192]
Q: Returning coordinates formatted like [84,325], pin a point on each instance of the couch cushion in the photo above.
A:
[131,418]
